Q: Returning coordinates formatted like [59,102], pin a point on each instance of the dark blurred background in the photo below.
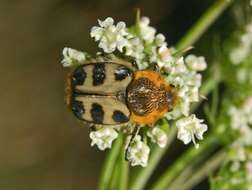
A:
[42,146]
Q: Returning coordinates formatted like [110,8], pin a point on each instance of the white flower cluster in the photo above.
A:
[73,57]
[183,75]
[110,37]
[148,50]
[243,49]
[240,151]
[241,118]
[103,137]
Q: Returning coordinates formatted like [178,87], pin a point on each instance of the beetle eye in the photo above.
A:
[169,98]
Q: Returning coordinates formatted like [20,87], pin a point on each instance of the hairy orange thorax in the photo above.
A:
[149,97]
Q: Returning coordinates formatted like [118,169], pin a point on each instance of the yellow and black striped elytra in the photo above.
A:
[109,92]
[98,93]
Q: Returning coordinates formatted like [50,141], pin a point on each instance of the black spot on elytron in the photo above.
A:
[119,117]
[79,76]
[78,109]
[121,73]
[99,74]
[97,113]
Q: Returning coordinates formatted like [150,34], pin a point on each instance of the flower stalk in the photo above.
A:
[206,20]
[191,177]
[181,163]
[109,164]
[208,167]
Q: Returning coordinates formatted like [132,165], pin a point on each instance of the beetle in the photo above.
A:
[111,91]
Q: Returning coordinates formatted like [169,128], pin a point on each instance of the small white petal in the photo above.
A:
[72,57]
[107,22]
[96,32]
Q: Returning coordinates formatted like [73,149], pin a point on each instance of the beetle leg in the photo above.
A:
[156,67]
[133,136]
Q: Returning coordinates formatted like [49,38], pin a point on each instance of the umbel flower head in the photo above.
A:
[236,171]
[147,49]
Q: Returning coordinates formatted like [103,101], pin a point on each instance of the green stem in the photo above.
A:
[109,164]
[115,176]
[203,23]
[198,164]
[206,169]
[142,175]
[181,163]
[123,171]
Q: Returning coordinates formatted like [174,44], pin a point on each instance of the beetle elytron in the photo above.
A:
[110,91]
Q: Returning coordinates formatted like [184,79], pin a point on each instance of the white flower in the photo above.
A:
[73,57]
[189,127]
[242,50]
[147,32]
[241,117]
[111,37]
[179,67]
[103,137]
[135,49]
[138,152]
[193,94]
[196,63]
[165,54]
[160,40]
[158,136]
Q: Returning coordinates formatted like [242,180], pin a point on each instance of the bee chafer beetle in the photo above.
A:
[110,91]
